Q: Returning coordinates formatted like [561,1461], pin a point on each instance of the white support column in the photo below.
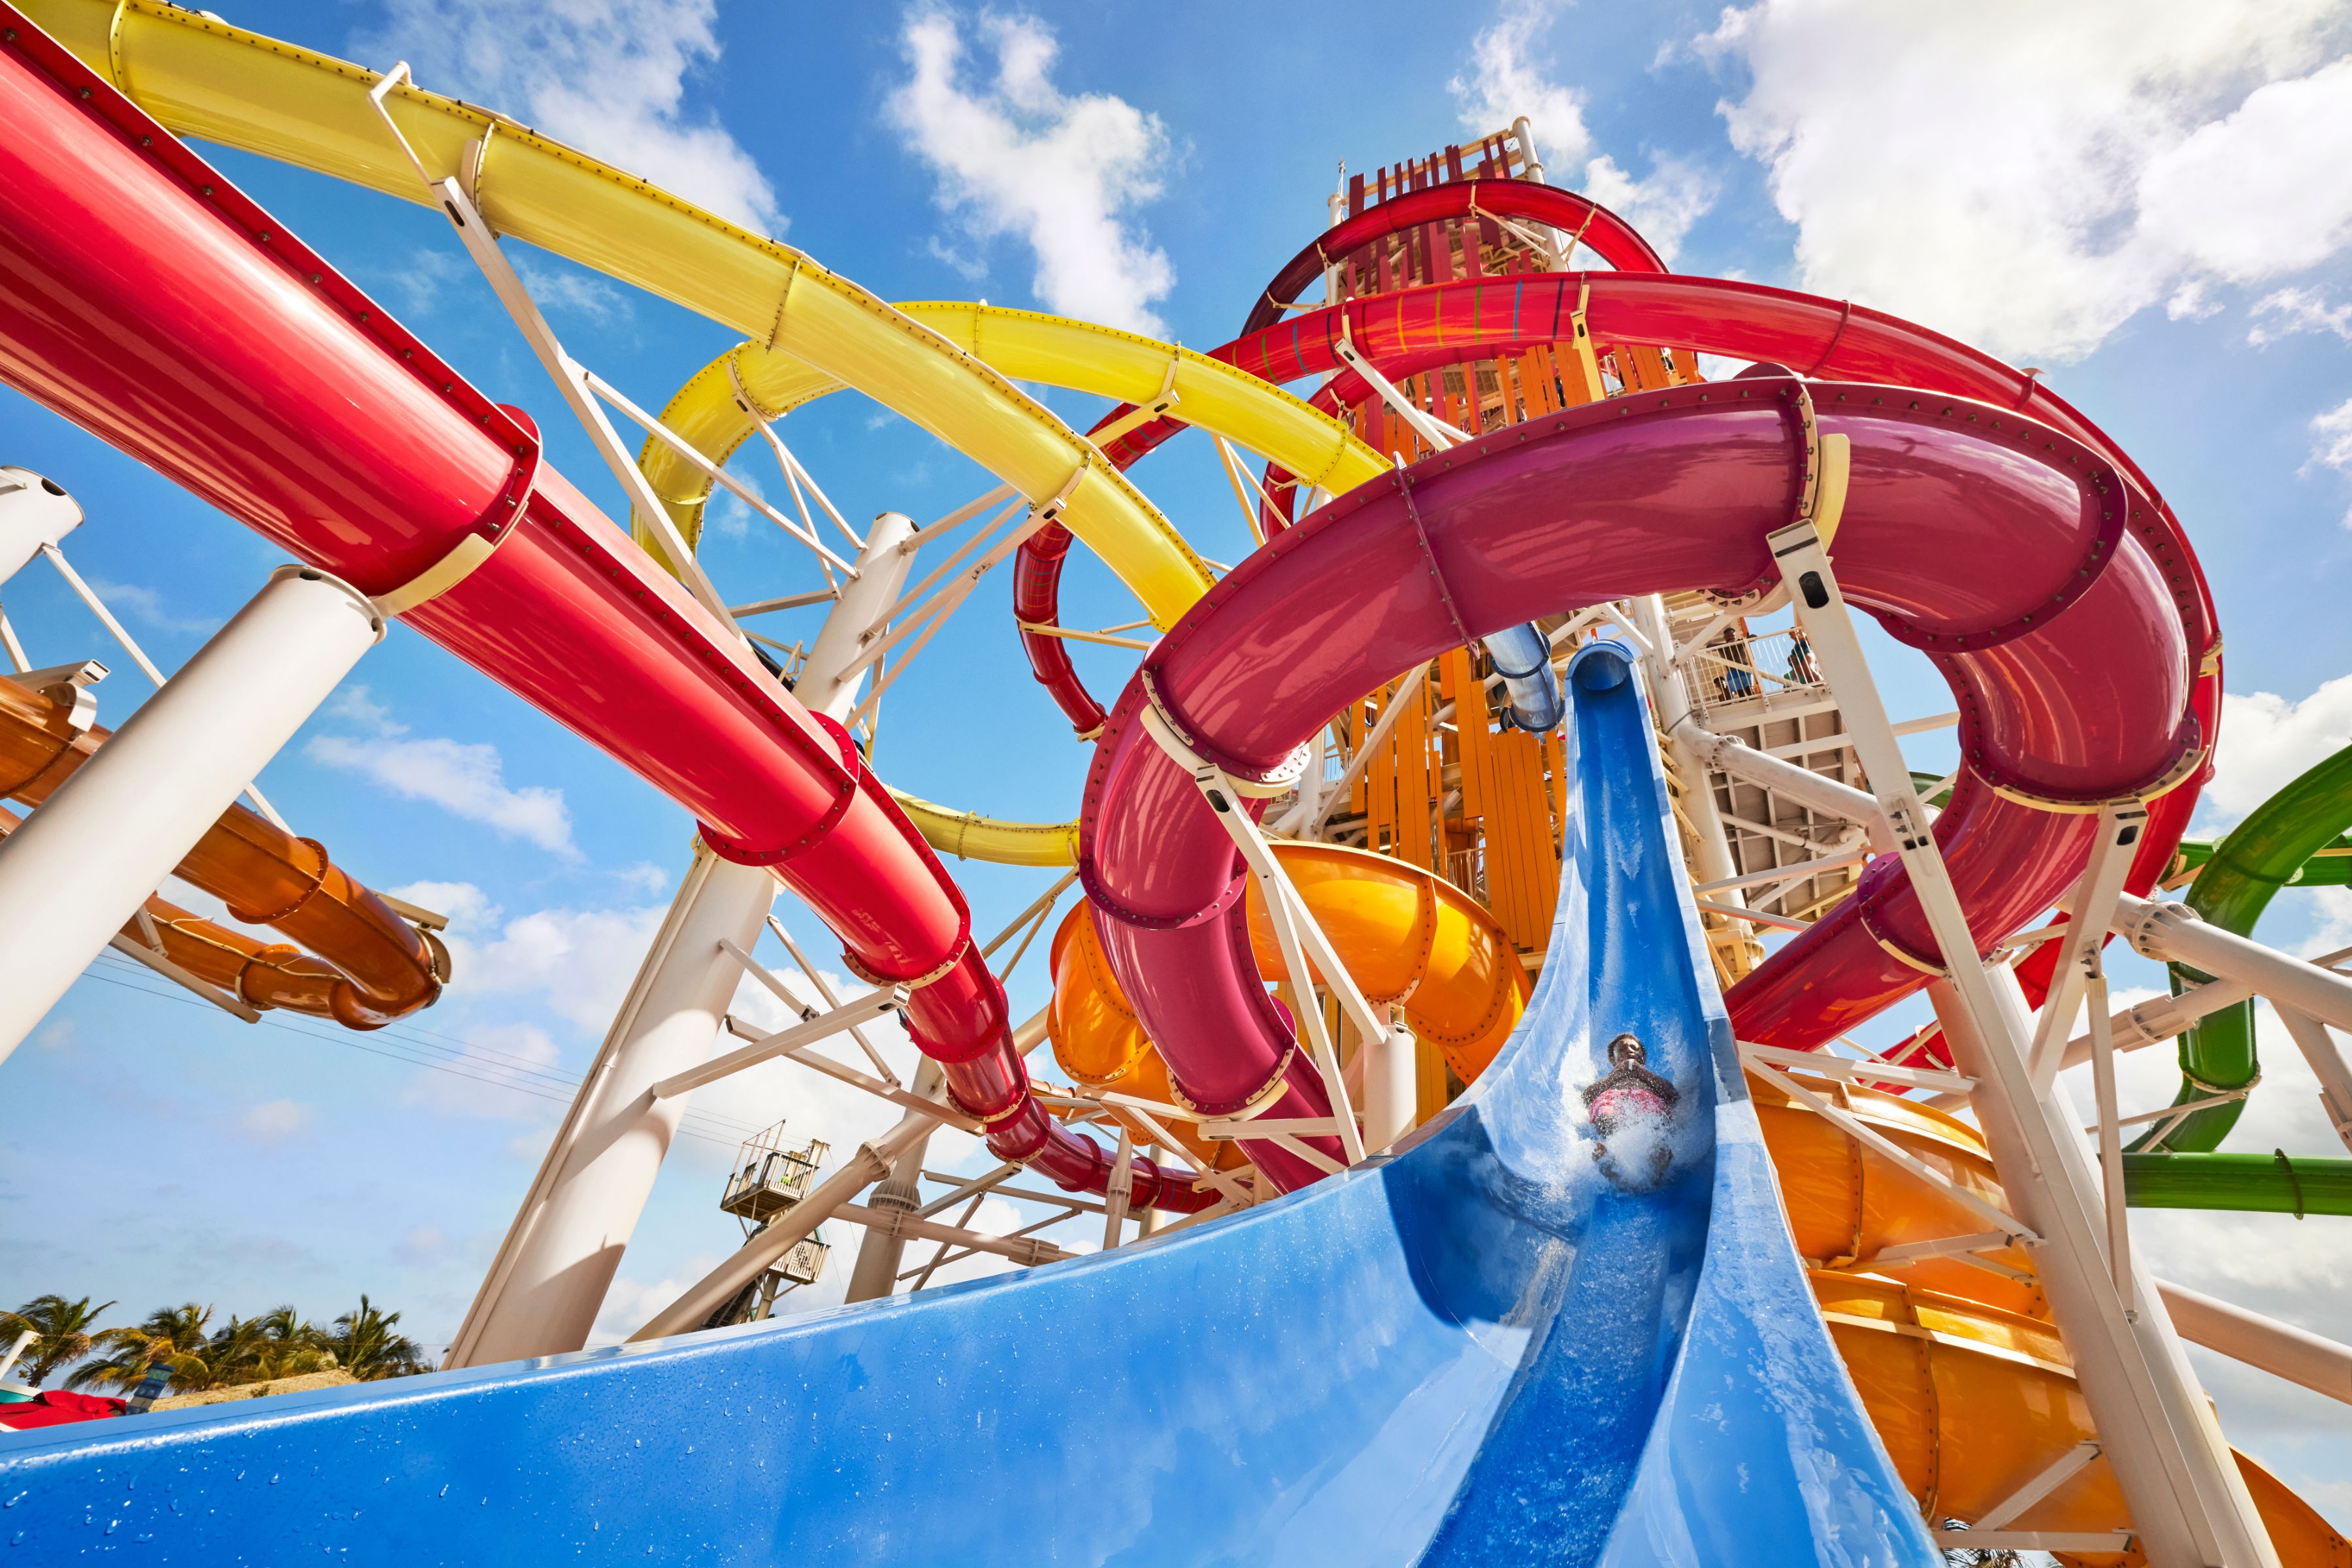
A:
[2092,908]
[86,860]
[881,1252]
[1392,1089]
[2190,1509]
[548,1282]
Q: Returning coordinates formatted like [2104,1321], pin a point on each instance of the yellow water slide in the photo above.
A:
[948,368]
[710,410]
[203,78]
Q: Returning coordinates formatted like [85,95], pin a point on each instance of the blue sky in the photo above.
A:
[2152,202]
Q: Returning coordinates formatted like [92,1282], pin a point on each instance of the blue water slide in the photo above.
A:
[1563,1323]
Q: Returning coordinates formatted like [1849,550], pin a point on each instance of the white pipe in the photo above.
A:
[1392,1085]
[84,862]
[546,1285]
[1800,785]
[2176,933]
[2279,1349]
[35,513]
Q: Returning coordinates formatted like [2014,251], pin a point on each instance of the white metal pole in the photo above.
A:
[2281,1349]
[549,1280]
[2174,933]
[2190,1509]
[84,862]
[1670,707]
[1392,1086]
[880,1253]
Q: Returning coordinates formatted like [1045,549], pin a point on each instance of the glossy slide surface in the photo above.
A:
[1543,1356]
[371,966]
[2247,868]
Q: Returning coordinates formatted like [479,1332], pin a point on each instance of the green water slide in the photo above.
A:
[2300,838]
[2295,839]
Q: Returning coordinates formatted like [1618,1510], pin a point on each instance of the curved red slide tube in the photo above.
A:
[1610,236]
[1038,572]
[2017,557]
[146,298]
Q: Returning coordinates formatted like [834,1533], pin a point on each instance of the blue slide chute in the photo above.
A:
[1563,1323]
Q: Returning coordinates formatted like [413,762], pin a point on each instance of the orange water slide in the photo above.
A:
[1408,937]
[1969,1385]
[371,966]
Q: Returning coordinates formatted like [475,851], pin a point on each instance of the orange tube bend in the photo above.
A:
[378,967]
[1405,934]
[1970,1386]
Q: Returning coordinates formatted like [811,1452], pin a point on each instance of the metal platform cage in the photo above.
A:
[768,1177]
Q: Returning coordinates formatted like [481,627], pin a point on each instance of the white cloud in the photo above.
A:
[2268,740]
[2335,932]
[1016,156]
[2028,176]
[571,291]
[466,780]
[2288,311]
[1507,78]
[417,286]
[274,1120]
[2332,443]
[609,77]
[57,1037]
[578,961]
[2192,302]
[148,606]
[646,875]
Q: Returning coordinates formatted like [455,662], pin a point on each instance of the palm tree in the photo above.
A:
[64,1327]
[170,1334]
[366,1347]
[278,1343]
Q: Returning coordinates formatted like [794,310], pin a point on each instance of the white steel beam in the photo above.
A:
[868,1165]
[84,863]
[2176,933]
[789,1042]
[2091,908]
[1294,930]
[2319,1048]
[2186,1497]
[2279,1349]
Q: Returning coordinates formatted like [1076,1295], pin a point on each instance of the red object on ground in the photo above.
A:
[56,1407]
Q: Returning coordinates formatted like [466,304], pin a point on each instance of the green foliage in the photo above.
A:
[172,1334]
[64,1327]
[364,1341]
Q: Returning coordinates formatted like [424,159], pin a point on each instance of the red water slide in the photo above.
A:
[2044,583]
[146,298]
